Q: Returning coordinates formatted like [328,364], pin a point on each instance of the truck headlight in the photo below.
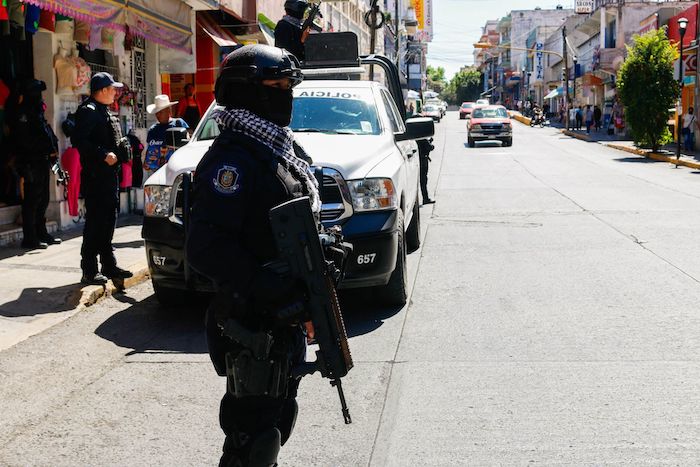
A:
[372,194]
[157,200]
[475,126]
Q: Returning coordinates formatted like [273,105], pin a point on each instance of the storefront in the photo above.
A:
[73,40]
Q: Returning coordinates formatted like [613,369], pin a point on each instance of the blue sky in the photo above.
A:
[458,23]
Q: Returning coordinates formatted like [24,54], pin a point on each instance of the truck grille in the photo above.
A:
[335,198]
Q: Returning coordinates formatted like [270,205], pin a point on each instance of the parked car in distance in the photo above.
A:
[432,111]
[482,102]
[465,110]
[441,105]
[490,123]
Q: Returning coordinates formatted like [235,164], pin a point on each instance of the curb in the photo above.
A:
[577,135]
[91,294]
[654,156]
[521,119]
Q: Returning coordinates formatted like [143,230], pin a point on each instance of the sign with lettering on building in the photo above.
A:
[539,62]
[583,6]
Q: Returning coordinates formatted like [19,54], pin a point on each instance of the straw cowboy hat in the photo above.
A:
[160,102]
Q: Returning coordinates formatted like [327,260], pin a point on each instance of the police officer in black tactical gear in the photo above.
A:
[425,146]
[250,168]
[34,143]
[98,138]
[288,32]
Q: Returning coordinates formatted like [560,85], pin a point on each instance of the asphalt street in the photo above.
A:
[553,320]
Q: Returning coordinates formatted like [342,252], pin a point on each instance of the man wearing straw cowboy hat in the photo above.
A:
[158,152]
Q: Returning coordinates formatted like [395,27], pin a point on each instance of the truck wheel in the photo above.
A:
[395,292]
[169,297]
[413,231]
[470,142]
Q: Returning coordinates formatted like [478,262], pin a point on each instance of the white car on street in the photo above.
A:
[355,134]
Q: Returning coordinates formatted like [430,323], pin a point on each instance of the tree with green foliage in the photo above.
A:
[465,85]
[647,87]
[436,78]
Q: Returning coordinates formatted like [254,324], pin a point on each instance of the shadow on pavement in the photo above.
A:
[145,327]
[34,301]
[639,159]
[133,244]
[361,315]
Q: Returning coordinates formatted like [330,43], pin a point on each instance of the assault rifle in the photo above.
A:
[298,243]
[309,21]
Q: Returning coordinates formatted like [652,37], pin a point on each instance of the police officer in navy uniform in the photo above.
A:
[99,141]
[250,168]
[425,147]
[35,143]
[288,32]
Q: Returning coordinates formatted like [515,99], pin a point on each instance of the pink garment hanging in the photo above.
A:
[70,161]
[127,179]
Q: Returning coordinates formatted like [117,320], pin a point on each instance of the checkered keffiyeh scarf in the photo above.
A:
[277,138]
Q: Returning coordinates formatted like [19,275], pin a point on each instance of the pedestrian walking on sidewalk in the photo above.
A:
[250,168]
[589,119]
[579,117]
[597,118]
[99,141]
[690,123]
[35,144]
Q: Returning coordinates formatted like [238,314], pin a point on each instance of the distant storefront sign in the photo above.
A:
[539,62]
[583,6]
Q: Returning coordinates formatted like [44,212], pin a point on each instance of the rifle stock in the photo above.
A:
[296,236]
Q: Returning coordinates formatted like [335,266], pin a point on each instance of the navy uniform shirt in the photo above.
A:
[94,138]
[237,182]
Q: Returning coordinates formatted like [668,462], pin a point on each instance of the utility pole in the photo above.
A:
[565,55]
[397,40]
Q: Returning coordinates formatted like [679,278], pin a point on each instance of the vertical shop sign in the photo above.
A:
[539,62]
[138,74]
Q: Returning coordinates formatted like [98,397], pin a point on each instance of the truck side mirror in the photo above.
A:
[176,137]
[417,128]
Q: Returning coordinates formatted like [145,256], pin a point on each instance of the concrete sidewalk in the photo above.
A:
[40,288]
[622,142]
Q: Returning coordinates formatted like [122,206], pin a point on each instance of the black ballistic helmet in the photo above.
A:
[248,66]
[297,7]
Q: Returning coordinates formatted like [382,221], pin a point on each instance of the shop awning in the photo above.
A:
[165,22]
[558,92]
[209,25]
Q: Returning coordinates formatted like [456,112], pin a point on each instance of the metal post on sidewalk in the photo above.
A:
[566,76]
[682,25]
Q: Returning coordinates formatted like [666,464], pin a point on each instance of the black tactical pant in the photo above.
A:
[255,426]
[100,221]
[424,164]
[36,200]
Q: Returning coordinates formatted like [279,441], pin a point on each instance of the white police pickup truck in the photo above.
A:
[354,132]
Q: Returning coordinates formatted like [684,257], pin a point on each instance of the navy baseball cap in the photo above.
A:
[101,80]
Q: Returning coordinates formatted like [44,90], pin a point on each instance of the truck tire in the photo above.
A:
[413,231]
[395,292]
[470,142]
[170,298]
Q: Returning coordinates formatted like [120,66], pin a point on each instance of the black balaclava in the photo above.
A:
[273,104]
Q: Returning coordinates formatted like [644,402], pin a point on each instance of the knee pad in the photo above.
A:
[264,449]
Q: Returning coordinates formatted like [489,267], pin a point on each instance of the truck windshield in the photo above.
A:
[489,113]
[343,113]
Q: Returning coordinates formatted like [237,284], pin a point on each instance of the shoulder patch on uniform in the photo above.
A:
[91,106]
[226,180]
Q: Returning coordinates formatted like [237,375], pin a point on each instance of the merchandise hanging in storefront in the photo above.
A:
[165,22]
